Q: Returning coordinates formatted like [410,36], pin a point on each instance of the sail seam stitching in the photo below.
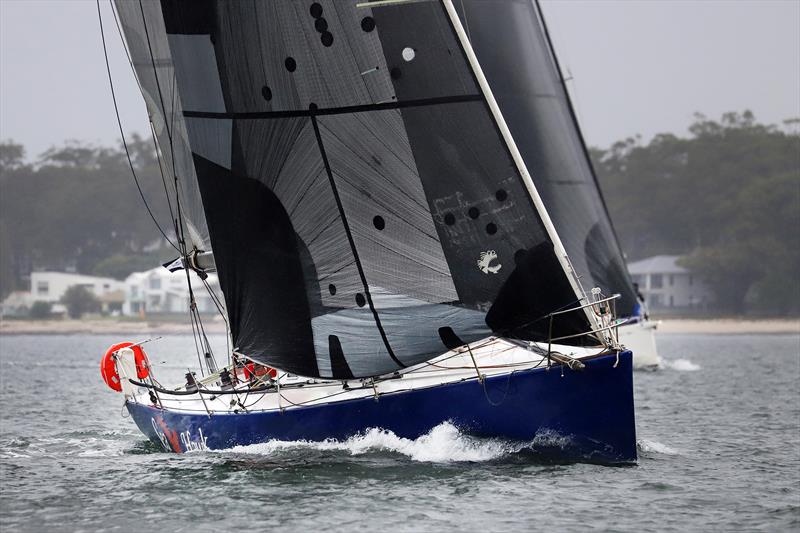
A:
[422,102]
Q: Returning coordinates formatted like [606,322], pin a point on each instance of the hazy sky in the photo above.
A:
[638,66]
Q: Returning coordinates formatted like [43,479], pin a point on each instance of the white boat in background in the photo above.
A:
[640,338]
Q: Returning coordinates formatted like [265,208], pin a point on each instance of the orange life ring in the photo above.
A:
[108,367]
[251,369]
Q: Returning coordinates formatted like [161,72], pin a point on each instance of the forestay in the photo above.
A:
[363,208]
[510,40]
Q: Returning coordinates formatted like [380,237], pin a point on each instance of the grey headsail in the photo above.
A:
[510,40]
[358,194]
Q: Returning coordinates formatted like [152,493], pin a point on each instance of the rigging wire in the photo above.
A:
[197,326]
[122,132]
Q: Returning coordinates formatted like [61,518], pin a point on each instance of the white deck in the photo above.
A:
[493,357]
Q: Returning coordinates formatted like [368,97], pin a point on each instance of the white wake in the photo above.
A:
[681,365]
[442,444]
[650,446]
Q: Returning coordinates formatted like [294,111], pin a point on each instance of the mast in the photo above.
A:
[558,246]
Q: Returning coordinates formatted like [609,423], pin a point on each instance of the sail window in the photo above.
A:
[266,92]
[327,38]
[291,64]
[378,222]
[491,228]
[332,289]
[315,10]
[321,24]
[396,73]
[501,195]
[473,212]
[368,24]
[409,54]
[360,300]
[449,219]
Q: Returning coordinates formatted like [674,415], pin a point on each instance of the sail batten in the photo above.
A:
[358,191]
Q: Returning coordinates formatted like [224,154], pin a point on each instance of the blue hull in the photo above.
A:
[591,411]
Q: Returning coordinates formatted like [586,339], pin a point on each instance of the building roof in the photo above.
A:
[658,264]
[72,277]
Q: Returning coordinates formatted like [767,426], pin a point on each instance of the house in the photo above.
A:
[16,305]
[159,291]
[50,286]
[666,285]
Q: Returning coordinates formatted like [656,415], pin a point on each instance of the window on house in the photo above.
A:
[42,287]
[655,300]
[155,283]
[671,280]
[656,281]
[671,300]
[134,291]
[691,280]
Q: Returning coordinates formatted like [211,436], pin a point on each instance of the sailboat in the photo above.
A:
[512,43]
[385,257]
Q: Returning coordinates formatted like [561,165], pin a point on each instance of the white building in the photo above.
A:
[160,291]
[51,286]
[666,285]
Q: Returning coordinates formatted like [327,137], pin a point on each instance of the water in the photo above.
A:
[719,441]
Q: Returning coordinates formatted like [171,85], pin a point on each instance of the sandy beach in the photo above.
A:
[106,326]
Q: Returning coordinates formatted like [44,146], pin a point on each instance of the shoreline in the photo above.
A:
[714,326]
[729,326]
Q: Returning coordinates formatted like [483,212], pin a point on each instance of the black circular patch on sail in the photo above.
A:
[315,10]
[396,73]
[360,300]
[491,228]
[378,222]
[368,24]
[327,38]
[449,219]
[321,24]
[501,195]
[332,289]
[266,92]
[291,64]
[473,212]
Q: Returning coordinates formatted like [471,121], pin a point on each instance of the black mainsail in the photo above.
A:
[511,42]
[346,165]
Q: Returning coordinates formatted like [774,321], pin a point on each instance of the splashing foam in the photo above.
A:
[650,446]
[442,444]
[681,365]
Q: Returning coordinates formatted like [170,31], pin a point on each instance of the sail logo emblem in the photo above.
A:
[485,262]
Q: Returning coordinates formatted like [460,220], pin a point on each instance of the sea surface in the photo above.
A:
[718,430]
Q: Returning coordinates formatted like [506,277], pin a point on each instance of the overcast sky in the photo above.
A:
[637,66]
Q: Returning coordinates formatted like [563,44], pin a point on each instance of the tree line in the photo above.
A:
[727,197]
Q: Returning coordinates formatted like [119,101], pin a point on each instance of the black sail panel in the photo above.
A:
[358,194]
[510,41]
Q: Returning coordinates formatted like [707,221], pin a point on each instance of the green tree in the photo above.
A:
[727,197]
[79,301]
[40,310]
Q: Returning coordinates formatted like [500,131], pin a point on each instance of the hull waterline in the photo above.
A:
[590,411]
